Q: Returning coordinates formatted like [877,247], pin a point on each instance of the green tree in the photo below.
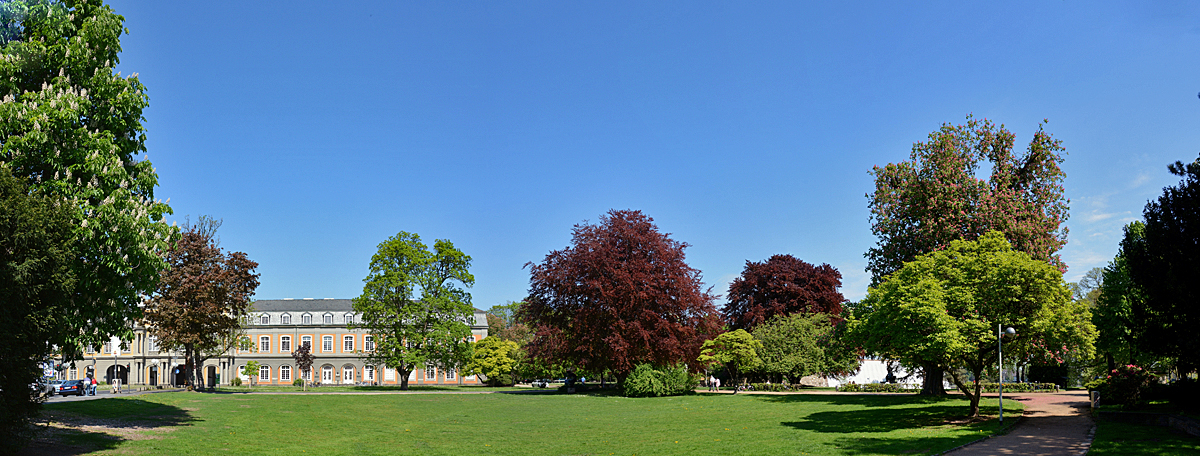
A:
[411,303]
[921,205]
[251,370]
[799,345]
[493,357]
[1117,339]
[71,127]
[943,309]
[736,350]
[37,248]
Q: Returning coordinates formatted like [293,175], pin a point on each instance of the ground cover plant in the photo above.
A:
[1116,438]
[503,424]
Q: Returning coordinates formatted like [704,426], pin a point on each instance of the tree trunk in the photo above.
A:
[403,378]
[188,364]
[933,378]
[973,396]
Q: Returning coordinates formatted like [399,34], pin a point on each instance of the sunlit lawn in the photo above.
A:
[517,424]
[1115,438]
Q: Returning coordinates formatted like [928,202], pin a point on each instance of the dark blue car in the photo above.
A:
[76,387]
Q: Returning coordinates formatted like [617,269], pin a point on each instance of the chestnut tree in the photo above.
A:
[621,295]
[781,286]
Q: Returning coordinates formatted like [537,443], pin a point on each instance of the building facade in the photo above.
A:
[277,327]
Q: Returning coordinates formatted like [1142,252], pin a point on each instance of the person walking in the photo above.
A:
[92,383]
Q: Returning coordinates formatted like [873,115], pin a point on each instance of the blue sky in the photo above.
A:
[317,129]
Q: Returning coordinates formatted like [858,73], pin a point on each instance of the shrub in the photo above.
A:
[1021,387]
[298,382]
[1126,386]
[647,381]
[776,387]
[237,381]
[879,388]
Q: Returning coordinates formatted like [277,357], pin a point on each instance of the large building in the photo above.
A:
[277,327]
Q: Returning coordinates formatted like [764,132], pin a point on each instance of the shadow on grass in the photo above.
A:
[82,427]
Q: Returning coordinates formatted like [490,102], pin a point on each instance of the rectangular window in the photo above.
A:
[369,373]
[264,344]
[430,373]
[264,374]
[286,319]
[285,343]
[89,349]
[389,374]
[347,344]
[306,319]
[306,341]
[369,343]
[265,319]
[152,344]
[72,374]
[107,347]
[306,375]
[329,319]
[285,373]
[327,343]
[349,318]
[449,374]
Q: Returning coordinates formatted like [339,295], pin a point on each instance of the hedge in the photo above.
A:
[879,388]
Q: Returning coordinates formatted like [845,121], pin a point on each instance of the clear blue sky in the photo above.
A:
[315,130]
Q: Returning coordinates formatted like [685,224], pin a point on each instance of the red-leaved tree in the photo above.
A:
[620,296]
[782,285]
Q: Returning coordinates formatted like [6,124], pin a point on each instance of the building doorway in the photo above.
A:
[117,372]
[153,375]
[211,376]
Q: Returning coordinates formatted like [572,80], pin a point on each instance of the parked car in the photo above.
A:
[53,387]
[540,383]
[75,387]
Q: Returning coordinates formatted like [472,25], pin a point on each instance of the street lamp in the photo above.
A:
[1000,353]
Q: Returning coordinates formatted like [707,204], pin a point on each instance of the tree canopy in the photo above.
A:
[620,296]
[782,285]
[202,301]
[799,345]
[943,309]
[71,127]
[1165,263]
[414,302]
[495,359]
[737,350]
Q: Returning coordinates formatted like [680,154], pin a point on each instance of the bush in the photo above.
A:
[1021,387]
[1126,386]
[237,381]
[647,381]
[879,388]
[298,382]
[776,387]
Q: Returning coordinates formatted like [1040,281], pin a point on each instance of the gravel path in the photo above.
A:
[1054,424]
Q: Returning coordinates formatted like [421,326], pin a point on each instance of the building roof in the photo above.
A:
[303,305]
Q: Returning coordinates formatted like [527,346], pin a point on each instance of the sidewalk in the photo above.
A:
[1054,424]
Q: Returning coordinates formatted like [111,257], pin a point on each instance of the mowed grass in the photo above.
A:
[1115,438]
[519,424]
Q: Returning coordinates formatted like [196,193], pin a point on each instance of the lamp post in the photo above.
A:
[1000,354]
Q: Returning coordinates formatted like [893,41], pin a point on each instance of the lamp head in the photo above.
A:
[1010,331]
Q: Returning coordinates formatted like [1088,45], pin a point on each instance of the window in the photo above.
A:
[107,347]
[264,319]
[306,341]
[369,343]
[152,343]
[286,319]
[285,343]
[285,373]
[389,374]
[348,374]
[306,319]
[449,374]
[89,349]
[264,344]
[347,344]
[72,373]
[328,319]
[430,373]
[349,318]
[264,373]
[369,373]
[306,375]
[327,374]
[327,343]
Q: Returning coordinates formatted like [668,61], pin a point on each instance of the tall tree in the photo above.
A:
[71,127]
[921,205]
[37,280]
[620,296]
[495,359]
[799,345]
[304,361]
[413,304]
[943,309]
[737,350]
[782,285]
[202,301]
[1165,264]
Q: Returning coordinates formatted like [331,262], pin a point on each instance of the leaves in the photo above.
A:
[782,285]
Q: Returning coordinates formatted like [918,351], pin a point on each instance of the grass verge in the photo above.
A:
[1116,438]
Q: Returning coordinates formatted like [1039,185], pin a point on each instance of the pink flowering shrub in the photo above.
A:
[1125,385]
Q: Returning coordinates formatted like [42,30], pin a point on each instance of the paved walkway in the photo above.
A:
[1054,424]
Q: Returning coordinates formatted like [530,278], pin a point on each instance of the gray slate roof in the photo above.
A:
[303,305]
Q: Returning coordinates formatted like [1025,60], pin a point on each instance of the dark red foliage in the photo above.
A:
[782,285]
[620,296]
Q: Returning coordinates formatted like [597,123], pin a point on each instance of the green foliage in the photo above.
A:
[736,350]
[648,381]
[879,388]
[1119,331]
[251,370]
[236,381]
[944,307]
[493,358]
[411,303]
[1126,386]
[798,345]
[298,382]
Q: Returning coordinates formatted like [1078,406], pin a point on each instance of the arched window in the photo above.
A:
[285,343]
[306,341]
[327,374]
[285,373]
[348,374]
[306,319]
[285,319]
[347,344]
[264,319]
[264,344]
[369,343]
[327,343]
[264,373]
[328,318]
[369,373]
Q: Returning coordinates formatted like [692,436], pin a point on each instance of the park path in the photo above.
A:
[1054,424]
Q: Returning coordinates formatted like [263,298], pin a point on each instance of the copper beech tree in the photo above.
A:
[782,285]
[620,296]
[202,301]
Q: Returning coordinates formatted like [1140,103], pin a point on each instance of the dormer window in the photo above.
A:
[349,318]
[264,319]
[306,319]
[286,319]
[328,319]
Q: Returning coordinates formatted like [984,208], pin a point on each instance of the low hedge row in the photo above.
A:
[879,388]
[1021,387]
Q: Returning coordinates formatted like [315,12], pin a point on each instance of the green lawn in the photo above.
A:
[1113,438]
[518,424]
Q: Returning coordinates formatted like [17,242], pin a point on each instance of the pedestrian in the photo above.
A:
[92,386]
[717,385]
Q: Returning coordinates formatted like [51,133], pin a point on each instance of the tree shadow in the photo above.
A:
[83,427]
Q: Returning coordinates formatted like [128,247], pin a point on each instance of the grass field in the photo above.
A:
[517,424]
[1113,438]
